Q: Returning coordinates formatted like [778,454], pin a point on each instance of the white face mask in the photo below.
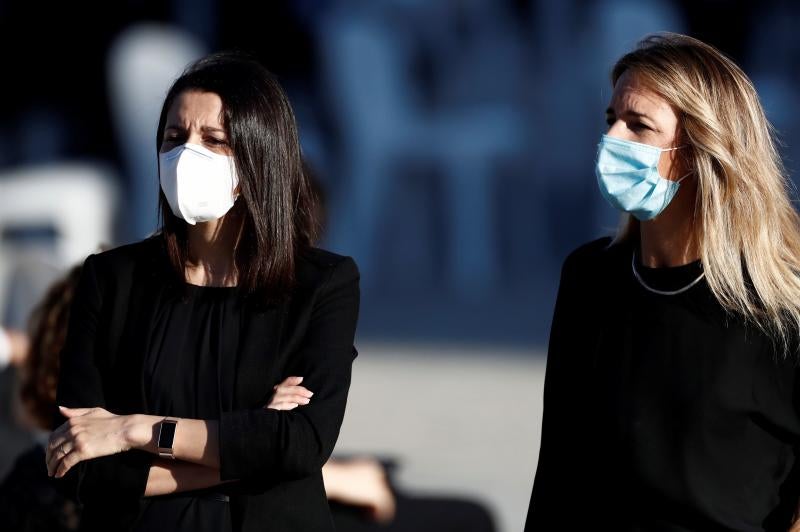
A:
[197,182]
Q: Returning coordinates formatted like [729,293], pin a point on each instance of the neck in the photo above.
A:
[212,251]
[669,239]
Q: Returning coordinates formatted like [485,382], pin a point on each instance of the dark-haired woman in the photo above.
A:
[175,342]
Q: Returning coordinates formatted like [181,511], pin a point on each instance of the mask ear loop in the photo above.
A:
[690,172]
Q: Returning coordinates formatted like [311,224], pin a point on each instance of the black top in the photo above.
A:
[181,379]
[221,356]
[661,412]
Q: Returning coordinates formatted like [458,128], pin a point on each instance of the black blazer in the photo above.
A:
[278,455]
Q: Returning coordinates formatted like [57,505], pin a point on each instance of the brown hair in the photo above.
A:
[47,327]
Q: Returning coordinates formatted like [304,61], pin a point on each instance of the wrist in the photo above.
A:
[141,432]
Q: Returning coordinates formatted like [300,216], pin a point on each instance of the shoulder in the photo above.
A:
[589,253]
[325,280]
[595,257]
[127,254]
[316,267]
[114,268]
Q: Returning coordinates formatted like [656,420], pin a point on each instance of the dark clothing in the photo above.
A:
[28,501]
[661,412]
[127,320]
[181,373]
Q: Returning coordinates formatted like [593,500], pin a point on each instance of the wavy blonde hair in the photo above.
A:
[747,230]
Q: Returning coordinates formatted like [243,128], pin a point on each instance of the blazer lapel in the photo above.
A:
[141,293]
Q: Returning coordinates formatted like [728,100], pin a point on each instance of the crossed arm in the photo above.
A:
[93,432]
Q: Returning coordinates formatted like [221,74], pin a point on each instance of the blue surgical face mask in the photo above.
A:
[627,173]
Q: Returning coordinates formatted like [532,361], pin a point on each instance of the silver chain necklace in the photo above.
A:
[662,292]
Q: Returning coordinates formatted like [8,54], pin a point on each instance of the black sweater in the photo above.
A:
[661,412]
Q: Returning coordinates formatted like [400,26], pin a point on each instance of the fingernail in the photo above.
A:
[310,394]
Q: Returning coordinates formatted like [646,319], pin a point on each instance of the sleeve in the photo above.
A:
[557,487]
[268,445]
[120,477]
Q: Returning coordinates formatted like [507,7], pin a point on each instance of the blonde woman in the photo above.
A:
[671,395]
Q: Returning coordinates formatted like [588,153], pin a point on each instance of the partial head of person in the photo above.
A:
[229,155]
[687,137]
[47,329]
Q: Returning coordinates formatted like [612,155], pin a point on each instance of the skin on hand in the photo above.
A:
[360,482]
[19,346]
[87,433]
[289,395]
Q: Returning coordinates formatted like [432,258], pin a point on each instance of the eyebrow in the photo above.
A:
[629,112]
[203,128]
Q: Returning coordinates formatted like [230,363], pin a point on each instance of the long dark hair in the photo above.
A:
[277,205]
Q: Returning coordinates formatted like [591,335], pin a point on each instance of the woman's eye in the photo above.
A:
[216,142]
[637,126]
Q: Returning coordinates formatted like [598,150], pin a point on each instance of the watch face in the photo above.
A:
[166,434]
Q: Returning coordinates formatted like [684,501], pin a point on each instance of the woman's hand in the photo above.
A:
[360,482]
[289,395]
[87,433]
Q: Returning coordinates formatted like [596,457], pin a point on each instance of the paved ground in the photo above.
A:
[461,421]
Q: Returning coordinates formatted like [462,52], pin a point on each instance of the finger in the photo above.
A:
[66,463]
[59,432]
[64,432]
[301,390]
[292,381]
[283,406]
[72,412]
[56,455]
[290,398]
[55,441]
[298,390]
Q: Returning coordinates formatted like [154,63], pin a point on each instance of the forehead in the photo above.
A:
[196,108]
[630,94]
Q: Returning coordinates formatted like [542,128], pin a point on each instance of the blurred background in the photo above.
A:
[454,141]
